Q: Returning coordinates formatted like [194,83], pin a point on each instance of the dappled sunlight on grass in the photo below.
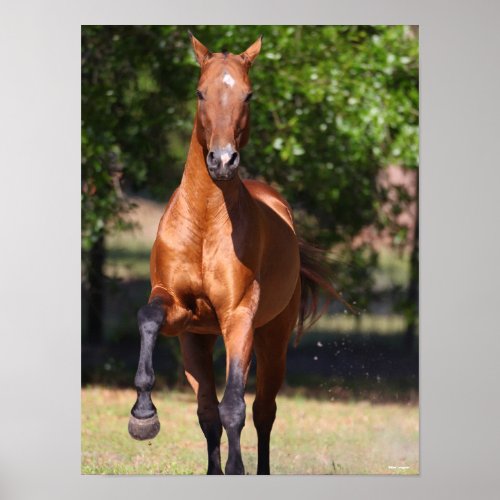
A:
[309,437]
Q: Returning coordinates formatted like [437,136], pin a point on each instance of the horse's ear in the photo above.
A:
[252,52]
[200,51]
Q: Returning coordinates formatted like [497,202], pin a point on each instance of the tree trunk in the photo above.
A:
[96,292]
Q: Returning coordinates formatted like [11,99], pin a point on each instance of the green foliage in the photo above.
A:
[134,90]
[332,106]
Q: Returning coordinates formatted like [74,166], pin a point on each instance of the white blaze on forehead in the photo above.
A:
[228,79]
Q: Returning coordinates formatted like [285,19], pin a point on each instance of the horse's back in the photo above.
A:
[269,196]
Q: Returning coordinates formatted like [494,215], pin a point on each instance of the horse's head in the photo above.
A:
[224,92]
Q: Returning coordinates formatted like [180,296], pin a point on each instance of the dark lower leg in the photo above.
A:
[232,411]
[264,414]
[212,429]
[144,423]
[271,363]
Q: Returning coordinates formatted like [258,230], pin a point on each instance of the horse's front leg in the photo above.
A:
[238,339]
[144,423]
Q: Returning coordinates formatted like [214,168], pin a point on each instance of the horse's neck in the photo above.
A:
[203,197]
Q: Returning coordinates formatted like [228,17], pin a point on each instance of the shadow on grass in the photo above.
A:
[324,366]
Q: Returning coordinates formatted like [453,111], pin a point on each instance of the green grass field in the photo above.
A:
[309,437]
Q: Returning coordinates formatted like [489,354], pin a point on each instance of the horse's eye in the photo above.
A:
[200,95]
[248,97]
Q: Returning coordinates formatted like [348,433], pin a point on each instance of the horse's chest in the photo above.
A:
[201,275]
[177,273]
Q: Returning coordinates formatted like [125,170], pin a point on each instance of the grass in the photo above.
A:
[393,269]
[364,324]
[309,437]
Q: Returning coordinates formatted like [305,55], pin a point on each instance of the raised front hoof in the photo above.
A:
[143,428]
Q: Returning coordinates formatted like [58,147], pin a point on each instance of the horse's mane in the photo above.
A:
[316,274]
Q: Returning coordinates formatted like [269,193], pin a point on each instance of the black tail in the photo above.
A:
[315,274]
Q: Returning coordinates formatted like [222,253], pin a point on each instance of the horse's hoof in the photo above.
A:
[142,429]
[235,468]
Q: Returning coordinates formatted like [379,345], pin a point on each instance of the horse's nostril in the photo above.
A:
[211,158]
[234,159]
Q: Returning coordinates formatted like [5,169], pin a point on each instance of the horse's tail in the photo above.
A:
[315,275]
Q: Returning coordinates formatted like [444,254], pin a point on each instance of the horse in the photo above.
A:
[226,261]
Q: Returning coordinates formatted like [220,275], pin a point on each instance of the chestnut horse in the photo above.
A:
[226,261]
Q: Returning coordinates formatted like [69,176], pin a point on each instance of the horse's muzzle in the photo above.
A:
[222,163]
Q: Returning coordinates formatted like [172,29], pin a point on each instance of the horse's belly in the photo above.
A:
[280,272]
[204,319]
[187,314]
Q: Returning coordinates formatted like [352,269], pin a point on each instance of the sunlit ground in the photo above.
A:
[309,437]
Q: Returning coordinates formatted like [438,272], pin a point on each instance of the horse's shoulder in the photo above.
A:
[266,194]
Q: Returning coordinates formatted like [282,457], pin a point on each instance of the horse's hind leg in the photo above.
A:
[270,348]
[144,423]
[197,352]
[270,344]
